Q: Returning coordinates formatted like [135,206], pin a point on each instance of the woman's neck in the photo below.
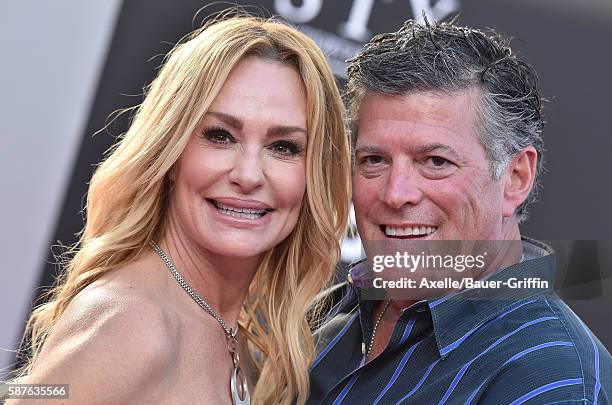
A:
[222,281]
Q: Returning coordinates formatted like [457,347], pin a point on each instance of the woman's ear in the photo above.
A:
[172,175]
[520,177]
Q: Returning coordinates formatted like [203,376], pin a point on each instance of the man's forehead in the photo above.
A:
[423,118]
[425,105]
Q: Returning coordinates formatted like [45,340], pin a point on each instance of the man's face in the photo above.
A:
[421,172]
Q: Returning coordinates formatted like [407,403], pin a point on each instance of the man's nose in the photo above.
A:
[247,172]
[402,187]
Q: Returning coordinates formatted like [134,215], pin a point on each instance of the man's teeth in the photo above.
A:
[410,230]
[248,213]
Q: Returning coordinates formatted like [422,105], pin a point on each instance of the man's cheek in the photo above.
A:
[363,199]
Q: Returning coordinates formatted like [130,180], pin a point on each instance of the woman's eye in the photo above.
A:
[286,148]
[218,136]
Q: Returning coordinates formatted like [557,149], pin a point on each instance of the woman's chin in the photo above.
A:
[238,249]
[236,242]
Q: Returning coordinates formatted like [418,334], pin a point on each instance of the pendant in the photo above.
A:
[246,399]
[232,346]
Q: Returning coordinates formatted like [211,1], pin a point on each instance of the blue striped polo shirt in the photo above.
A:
[525,348]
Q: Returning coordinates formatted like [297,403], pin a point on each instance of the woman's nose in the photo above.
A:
[247,172]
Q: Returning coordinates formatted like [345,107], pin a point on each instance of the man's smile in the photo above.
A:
[408,231]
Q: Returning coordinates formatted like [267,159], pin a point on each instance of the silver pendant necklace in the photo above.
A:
[232,342]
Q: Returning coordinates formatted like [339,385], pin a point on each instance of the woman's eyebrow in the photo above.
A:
[227,118]
[275,131]
[284,130]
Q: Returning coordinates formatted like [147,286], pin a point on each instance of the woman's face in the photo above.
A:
[239,183]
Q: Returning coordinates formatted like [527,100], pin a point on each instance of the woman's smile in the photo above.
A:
[241,213]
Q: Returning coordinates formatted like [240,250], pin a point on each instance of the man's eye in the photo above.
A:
[438,162]
[286,148]
[218,136]
[371,160]
[436,167]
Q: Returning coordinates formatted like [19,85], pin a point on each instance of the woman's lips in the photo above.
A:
[242,213]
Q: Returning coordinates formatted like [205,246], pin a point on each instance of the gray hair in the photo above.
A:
[446,58]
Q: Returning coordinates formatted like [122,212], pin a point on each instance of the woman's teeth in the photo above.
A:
[409,230]
[246,213]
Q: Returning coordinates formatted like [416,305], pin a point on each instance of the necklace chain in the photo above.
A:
[367,353]
[238,398]
[231,334]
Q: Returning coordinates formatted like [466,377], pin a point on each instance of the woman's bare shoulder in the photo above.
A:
[114,342]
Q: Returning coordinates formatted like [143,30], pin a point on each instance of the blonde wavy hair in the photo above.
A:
[128,194]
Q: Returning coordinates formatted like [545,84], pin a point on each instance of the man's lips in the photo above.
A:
[411,231]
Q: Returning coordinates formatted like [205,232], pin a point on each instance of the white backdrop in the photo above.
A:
[52,54]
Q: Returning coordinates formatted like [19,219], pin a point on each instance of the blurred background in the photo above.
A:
[67,65]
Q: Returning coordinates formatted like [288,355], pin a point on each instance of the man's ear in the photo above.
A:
[520,176]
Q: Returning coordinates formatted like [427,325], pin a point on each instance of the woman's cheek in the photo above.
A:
[288,183]
[217,161]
